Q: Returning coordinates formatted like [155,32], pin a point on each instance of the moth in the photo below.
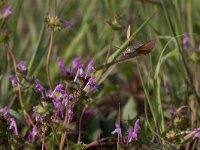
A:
[132,51]
[140,49]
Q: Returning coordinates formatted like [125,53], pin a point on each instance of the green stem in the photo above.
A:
[48,59]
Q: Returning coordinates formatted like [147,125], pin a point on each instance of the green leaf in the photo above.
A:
[129,110]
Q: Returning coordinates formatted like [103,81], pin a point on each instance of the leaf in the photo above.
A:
[129,110]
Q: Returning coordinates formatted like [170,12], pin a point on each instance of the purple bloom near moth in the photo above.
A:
[22,67]
[75,62]
[7,12]
[13,126]
[61,66]
[38,86]
[133,132]
[33,134]
[117,130]
[90,68]
[92,85]
[79,72]
[13,80]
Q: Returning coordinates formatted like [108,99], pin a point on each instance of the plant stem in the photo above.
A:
[11,54]
[80,121]
[48,59]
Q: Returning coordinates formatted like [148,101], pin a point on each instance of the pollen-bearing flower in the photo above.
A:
[38,86]
[61,66]
[22,67]
[13,126]
[7,12]
[90,68]
[117,130]
[33,134]
[13,80]
[133,132]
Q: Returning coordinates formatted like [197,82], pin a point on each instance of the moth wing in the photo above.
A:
[146,47]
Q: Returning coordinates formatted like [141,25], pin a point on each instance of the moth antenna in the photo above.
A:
[128,34]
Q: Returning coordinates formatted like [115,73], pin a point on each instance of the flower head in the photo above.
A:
[38,86]
[13,80]
[92,85]
[90,68]
[79,72]
[133,132]
[61,66]
[75,62]
[22,67]
[5,112]
[7,12]
[13,126]
[117,130]
[33,134]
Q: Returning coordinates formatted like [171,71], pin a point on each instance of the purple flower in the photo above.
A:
[5,112]
[22,67]
[90,68]
[60,114]
[79,72]
[7,12]
[13,126]
[75,62]
[197,133]
[57,104]
[133,132]
[33,134]
[61,66]
[69,23]
[117,130]
[92,85]
[38,86]
[186,42]
[59,89]
[13,80]
[70,113]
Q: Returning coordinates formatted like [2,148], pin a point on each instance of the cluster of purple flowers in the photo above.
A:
[132,134]
[77,71]
[61,98]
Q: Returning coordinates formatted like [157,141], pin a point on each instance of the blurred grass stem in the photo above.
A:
[48,59]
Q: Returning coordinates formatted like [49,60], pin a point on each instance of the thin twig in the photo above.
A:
[64,135]
[26,115]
